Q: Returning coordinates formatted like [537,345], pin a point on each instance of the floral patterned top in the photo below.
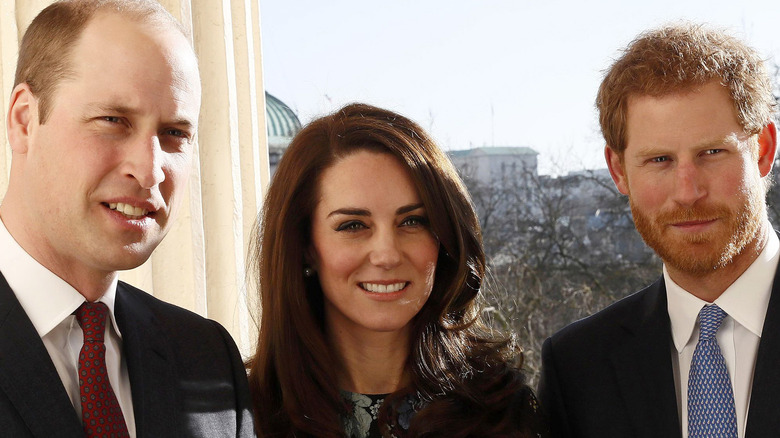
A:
[362,422]
[360,418]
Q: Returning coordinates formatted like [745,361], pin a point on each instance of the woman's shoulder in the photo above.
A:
[528,413]
[525,399]
[514,404]
[495,402]
[526,406]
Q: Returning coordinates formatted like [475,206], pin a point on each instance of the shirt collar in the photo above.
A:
[745,301]
[46,298]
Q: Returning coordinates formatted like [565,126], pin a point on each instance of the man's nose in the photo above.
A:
[143,161]
[690,184]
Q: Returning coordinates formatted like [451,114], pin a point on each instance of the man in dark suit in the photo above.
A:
[101,123]
[687,115]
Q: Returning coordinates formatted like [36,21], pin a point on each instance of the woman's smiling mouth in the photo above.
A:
[383,288]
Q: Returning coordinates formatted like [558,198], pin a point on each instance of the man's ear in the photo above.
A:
[616,169]
[22,114]
[767,147]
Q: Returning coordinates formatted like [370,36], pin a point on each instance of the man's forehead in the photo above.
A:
[112,24]
[127,67]
[159,20]
[112,34]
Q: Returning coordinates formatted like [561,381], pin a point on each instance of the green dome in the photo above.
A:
[281,122]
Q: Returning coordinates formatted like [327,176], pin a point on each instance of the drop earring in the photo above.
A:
[308,272]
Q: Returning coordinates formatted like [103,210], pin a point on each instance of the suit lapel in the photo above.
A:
[152,372]
[28,376]
[763,419]
[643,367]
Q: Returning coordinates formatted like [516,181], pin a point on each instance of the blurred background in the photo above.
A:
[508,88]
[479,73]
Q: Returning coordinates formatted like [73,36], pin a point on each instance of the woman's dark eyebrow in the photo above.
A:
[351,212]
[408,208]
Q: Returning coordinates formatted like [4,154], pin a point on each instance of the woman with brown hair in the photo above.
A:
[370,265]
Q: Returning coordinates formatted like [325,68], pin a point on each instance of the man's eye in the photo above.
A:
[659,159]
[177,133]
[351,226]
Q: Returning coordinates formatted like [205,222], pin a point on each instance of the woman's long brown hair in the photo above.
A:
[452,356]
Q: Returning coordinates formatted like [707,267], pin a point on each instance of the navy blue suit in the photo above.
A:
[186,374]
[610,375]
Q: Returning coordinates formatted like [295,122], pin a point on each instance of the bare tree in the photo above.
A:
[559,249]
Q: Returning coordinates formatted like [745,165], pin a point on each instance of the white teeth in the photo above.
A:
[383,288]
[128,210]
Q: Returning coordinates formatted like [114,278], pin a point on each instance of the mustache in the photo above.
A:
[693,214]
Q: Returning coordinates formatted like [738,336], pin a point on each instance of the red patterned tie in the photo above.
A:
[100,410]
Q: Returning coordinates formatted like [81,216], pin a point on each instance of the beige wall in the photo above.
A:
[201,264]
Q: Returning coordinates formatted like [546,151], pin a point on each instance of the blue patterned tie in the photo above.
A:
[711,411]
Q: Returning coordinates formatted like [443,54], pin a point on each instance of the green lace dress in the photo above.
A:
[361,422]
[360,418]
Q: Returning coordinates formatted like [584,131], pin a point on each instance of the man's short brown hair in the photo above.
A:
[44,54]
[678,58]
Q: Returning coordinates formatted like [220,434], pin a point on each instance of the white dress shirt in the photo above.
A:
[745,302]
[49,303]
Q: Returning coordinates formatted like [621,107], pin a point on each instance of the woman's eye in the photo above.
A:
[415,221]
[351,226]
[111,119]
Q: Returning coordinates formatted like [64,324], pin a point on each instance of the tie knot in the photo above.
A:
[710,318]
[92,319]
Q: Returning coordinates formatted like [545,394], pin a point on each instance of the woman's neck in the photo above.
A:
[374,362]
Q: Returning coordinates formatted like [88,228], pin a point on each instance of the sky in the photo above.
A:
[479,72]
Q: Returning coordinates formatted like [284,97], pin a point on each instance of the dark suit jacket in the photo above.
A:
[610,375]
[186,375]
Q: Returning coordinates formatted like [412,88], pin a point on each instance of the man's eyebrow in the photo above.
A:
[186,124]
[126,110]
[115,109]
[710,143]
[731,139]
